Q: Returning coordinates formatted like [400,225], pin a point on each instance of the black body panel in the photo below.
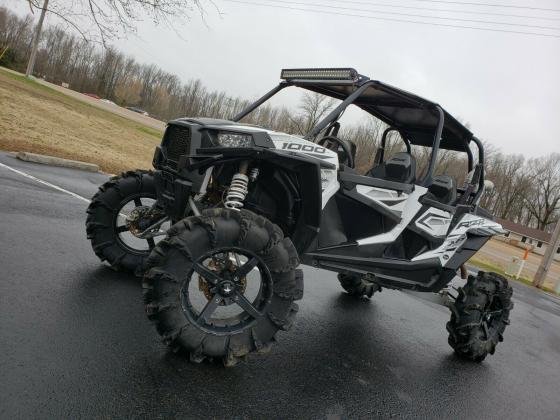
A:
[387,103]
[471,246]
[426,275]
[399,168]
[443,189]
[348,217]
[188,149]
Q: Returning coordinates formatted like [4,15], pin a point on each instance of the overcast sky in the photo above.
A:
[505,85]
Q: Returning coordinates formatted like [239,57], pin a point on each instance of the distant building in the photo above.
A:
[525,237]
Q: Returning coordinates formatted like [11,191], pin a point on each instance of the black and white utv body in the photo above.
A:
[247,204]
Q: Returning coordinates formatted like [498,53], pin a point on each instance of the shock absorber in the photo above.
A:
[238,188]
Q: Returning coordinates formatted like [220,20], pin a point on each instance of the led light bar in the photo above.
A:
[319,74]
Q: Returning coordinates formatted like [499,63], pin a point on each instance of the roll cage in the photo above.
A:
[418,120]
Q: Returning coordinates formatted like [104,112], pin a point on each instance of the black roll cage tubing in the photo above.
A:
[336,112]
[384,141]
[250,108]
[481,165]
[408,148]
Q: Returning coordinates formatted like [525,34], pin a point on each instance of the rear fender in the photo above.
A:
[466,237]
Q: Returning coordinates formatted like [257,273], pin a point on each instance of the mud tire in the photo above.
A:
[173,258]
[101,213]
[471,334]
[357,286]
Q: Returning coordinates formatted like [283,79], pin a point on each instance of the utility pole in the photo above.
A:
[546,261]
[36,38]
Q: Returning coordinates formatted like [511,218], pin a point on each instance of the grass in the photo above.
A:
[38,119]
[484,265]
[150,131]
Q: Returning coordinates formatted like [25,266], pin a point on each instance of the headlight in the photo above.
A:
[234,140]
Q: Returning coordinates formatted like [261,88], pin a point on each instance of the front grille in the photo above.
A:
[177,143]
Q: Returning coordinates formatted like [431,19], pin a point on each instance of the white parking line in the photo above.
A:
[48,184]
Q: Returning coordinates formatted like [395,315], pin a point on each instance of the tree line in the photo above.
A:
[526,191]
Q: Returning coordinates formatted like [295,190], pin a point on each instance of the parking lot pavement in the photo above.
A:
[75,341]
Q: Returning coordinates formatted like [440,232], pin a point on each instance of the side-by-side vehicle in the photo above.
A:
[220,226]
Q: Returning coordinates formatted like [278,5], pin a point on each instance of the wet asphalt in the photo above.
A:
[75,343]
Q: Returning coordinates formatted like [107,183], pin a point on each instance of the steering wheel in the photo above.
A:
[340,147]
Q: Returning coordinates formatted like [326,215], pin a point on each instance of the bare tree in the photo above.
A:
[367,138]
[543,201]
[313,107]
[109,18]
[114,18]
[512,182]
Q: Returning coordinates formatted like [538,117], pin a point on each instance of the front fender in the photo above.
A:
[307,171]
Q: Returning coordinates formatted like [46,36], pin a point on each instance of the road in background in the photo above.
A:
[76,343]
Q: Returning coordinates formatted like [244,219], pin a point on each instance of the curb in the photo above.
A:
[55,161]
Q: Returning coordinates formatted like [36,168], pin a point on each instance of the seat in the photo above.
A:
[443,189]
[399,168]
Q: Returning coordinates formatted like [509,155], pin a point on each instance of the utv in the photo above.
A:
[240,206]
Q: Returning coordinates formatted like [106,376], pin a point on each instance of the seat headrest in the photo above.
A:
[443,189]
[399,167]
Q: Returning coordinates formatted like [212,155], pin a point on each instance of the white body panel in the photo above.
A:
[408,207]
[295,144]
[434,222]
[468,223]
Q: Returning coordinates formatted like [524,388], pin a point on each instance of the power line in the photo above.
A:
[508,6]
[470,12]
[415,15]
[390,19]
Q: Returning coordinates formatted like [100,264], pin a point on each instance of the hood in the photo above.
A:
[291,143]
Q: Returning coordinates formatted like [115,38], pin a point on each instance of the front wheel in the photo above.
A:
[479,316]
[119,216]
[222,284]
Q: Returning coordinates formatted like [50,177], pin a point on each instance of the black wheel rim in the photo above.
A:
[126,239]
[233,293]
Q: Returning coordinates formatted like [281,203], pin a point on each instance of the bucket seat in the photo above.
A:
[399,168]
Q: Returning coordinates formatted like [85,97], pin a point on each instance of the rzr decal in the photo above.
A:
[469,223]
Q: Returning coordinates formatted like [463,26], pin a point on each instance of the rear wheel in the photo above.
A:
[479,316]
[357,286]
[222,284]
[119,213]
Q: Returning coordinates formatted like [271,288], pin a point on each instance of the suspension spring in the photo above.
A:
[237,191]
[254,174]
